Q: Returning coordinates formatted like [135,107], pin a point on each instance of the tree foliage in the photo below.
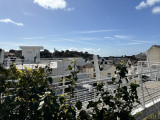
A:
[29,96]
[17,53]
[46,54]
[119,104]
[68,53]
[56,54]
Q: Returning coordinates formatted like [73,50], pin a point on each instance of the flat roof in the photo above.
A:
[31,47]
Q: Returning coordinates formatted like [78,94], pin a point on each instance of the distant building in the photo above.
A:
[129,60]
[1,56]
[153,53]
[59,66]
[89,69]
[31,53]
[108,71]
[141,57]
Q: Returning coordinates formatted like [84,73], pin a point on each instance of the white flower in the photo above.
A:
[48,93]
[40,105]
[117,76]
[118,71]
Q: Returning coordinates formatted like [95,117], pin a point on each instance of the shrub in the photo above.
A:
[28,96]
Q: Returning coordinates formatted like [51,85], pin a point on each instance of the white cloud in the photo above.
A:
[16,44]
[121,36]
[69,9]
[142,41]
[136,43]
[108,38]
[156,10]
[85,38]
[27,14]
[9,43]
[76,41]
[91,50]
[73,49]
[147,3]
[51,4]
[94,31]
[86,43]
[30,38]
[7,20]
[141,5]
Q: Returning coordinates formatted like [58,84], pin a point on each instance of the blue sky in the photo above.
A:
[103,27]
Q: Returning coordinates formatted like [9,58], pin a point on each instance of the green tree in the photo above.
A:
[28,95]
[111,106]
[46,54]
[22,90]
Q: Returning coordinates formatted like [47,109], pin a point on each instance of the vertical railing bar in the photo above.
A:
[85,96]
[141,86]
[94,94]
[77,95]
[1,98]
[63,92]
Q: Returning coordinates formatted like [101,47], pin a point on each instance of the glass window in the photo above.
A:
[108,74]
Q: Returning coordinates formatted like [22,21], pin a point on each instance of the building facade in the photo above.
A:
[31,53]
[153,54]
[1,56]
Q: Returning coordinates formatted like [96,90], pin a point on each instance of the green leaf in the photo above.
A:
[91,104]
[50,80]
[78,105]
[83,115]
[69,67]
[61,99]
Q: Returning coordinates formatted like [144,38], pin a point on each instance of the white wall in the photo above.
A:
[59,71]
[60,64]
[79,61]
[29,54]
[154,54]
[53,65]
[1,56]
[64,63]
[32,66]
[59,67]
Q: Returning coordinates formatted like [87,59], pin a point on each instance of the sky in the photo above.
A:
[101,27]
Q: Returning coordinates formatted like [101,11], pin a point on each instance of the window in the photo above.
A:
[29,52]
[108,74]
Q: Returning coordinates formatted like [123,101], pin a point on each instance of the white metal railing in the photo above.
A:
[147,96]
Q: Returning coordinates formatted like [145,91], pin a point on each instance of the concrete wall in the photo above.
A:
[59,71]
[65,62]
[29,54]
[79,61]
[60,64]
[111,70]
[154,53]
[89,69]
[53,65]
[1,56]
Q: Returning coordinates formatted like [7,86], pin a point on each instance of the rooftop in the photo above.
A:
[31,47]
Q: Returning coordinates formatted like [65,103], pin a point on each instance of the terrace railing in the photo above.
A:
[148,92]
